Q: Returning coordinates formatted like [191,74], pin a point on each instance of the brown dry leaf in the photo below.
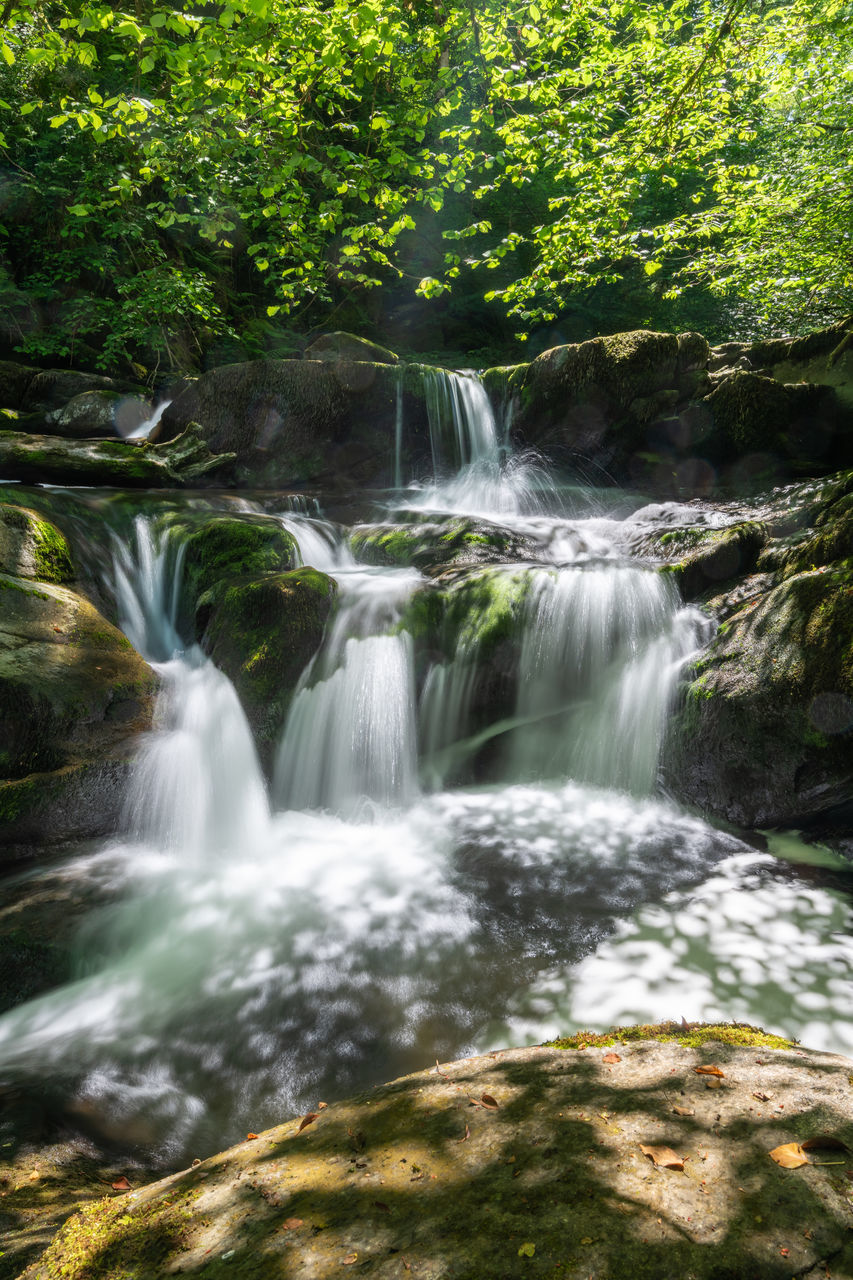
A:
[349,1259]
[708,1071]
[121,1184]
[321,1106]
[249,1136]
[823,1142]
[291,1224]
[790,1155]
[306,1120]
[611,1057]
[486,1100]
[467,1135]
[762,1096]
[663,1157]
[684,1111]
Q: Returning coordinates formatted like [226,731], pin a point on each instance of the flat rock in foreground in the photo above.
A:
[527,1163]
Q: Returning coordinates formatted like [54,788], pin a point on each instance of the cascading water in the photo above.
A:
[474,471]
[255,947]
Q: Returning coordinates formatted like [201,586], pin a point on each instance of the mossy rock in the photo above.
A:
[124,464]
[290,422]
[53,388]
[433,544]
[73,696]
[262,632]
[765,734]
[32,547]
[99,413]
[720,556]
[229,546]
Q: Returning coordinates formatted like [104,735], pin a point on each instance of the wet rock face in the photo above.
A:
[262,631]
[765,732]
[73,696]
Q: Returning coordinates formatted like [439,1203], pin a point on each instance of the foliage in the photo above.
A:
[170,175]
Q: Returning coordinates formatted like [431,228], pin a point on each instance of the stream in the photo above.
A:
[410,881]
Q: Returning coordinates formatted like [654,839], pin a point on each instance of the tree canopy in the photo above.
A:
[169,179]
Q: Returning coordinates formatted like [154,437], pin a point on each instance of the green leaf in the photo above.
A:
[8,55]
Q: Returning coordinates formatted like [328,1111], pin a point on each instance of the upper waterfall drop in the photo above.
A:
[475,472]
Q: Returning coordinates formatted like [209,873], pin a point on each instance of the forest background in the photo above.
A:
[476,180]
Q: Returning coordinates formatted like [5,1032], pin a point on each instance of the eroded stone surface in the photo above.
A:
[520,1163]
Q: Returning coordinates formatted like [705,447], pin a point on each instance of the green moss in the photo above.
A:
[51,553]
[16,584]
[112,1239]
[693,1036]
[228,547]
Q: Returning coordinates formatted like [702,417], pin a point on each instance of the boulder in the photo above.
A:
[346,346]
[32,547]
[433,545]
[53,388]
[262,632]
[722,554]
[73,696]
[575,401]
[224,547]
[104,414]
[290,422]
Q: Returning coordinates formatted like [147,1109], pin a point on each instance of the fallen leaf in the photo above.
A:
[587,1240]
[611,1057]
[664,1157]
[487,1100]
[350,1259]
[121,1184]
[823,1142]
[761,1096]
[291,1224]
[527,1250]
[713,1083]
[380,1204]
[784,1252]
[790,1155]
[467,1135]
[321,1106]
[684,1111]
[306,1120]
[708,1071]
[249,1136]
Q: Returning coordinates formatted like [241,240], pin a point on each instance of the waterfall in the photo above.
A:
[350,735]
[197,786]
[473,472]
[600,655]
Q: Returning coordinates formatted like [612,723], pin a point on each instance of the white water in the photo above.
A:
[252,955]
